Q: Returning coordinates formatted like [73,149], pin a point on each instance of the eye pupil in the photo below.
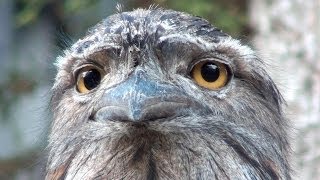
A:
[91,79]
[210,72]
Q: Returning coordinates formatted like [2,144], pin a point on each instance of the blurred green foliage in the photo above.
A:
[29,11]
[16,85]
[230,16]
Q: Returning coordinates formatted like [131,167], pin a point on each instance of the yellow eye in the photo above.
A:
[210,74]
[88,79]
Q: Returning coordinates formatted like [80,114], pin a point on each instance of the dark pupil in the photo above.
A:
[210,72]
[91,79]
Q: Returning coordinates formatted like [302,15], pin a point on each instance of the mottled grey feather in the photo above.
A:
[185,131]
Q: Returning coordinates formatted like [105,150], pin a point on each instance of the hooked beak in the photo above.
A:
[142,99]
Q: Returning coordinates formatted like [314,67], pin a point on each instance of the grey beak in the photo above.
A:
[140,98]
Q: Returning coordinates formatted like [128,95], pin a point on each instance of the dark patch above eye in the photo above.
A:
[128,17]
[118,30]
[84,45]
[168,16]
[160,31]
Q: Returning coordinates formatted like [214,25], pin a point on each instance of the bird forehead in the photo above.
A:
[141,27]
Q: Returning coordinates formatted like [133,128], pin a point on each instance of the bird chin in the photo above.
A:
[143,130]
[138,134]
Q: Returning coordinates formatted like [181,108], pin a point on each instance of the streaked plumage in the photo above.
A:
[149,119]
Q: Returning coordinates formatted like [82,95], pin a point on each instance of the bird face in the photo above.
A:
[162,94]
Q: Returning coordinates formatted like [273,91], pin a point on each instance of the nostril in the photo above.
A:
[91,117]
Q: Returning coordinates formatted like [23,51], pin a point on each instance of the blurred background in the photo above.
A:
[286,33]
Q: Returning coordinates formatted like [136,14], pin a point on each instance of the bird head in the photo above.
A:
[157,93]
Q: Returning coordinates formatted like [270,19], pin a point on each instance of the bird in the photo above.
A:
[161,94]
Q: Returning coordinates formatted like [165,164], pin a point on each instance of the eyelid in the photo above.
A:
[87,65]
[219,60]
